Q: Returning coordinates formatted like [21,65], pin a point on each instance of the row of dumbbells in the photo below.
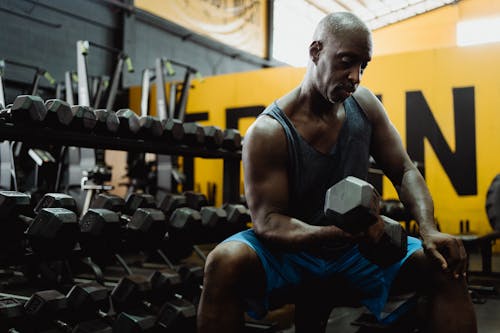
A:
[137,303]
[114,225]
[52,234]
[59,115]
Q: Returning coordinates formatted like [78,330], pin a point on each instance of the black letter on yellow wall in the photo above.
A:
[460,166]
[233,115]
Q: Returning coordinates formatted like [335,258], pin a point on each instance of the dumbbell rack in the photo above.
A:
[39,137]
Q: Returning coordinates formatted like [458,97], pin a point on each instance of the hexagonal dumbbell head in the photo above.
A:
[193,134]
[130,291]
[177,315]
[53,232]
[46,303]
[150,127]
[353,204]
[173,130]
[171,202]
[107,122]
[195,200]
[212,216]
[237,214]
[108,201]
[164,283]
[10,309]
[186,219]
[56,200]
[84,118]
[58,113]
[88,298]
[28,109]
[213,137]
[129,123]
[13,203]
[148,226]
[138,200]
[100,232]
[184,226]
[232,139]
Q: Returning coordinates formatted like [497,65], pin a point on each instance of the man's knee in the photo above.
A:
[232,263]
[426,274]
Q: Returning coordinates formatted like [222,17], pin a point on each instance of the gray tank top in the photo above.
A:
[312,173]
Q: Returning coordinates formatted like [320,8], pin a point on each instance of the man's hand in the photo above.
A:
[376,231]
[447,250]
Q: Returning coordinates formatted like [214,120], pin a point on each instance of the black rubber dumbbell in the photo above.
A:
[193,134]
[12,314]
[88,300]
[84,118]
[184,226]
[195,200]
[214,137]
[59,113]
[107,122]
[129,123]
[48,310]
[213,222]
[100,235]
[135,201]
[171,202]
[232,139]
[134,292]
[108,201]
[53,233]
[173,130]
[26,109]
[238,217]
[353,205]
[150,127]
[56,200]
[119,205]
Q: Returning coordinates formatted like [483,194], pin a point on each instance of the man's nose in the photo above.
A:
[355,74]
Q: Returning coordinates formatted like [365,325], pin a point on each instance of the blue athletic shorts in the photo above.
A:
[288,270]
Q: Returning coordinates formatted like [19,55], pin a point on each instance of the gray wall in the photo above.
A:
[43,33]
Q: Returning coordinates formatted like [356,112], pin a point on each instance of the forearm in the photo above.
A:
[415,196]
[293,234]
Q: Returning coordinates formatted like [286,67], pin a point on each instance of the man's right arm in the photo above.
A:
[266,190]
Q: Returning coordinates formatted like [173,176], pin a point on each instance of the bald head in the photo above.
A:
[339,25]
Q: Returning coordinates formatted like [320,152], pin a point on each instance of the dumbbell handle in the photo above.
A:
[390,247]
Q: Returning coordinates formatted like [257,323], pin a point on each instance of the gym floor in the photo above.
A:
[487,306]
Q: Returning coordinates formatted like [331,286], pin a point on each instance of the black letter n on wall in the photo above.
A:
[460,166]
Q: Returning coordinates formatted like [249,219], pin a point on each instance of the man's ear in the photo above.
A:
[314,50]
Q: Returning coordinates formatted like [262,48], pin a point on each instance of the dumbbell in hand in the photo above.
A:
[353,205]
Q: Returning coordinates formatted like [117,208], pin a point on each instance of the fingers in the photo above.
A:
[438,257]
[461,267]
[451,254]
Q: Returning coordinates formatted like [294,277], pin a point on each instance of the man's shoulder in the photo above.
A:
[265,136]
[368,102]
[264,126]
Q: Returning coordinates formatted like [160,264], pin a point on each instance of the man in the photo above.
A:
[321,132]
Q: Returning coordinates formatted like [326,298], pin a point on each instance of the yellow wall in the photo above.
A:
[435,29]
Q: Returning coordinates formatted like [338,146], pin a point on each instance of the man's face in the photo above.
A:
[340,64]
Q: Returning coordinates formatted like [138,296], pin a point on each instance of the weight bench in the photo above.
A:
[485,244]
